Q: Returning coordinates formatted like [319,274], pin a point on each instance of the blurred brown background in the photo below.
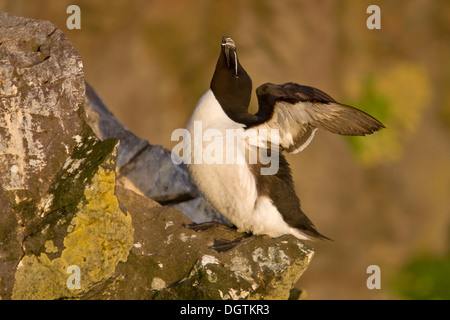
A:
[384,199]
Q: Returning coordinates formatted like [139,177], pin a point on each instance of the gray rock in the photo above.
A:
[148,169]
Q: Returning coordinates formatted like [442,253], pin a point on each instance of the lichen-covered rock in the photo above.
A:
[171,261]
[57,178]
[41,91]
[70,230]
[98,237]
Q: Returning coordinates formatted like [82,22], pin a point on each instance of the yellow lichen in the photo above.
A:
[101,237]
[50,247]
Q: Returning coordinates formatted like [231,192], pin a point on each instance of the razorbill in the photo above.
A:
[254,202]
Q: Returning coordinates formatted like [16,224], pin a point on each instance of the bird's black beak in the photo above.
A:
[229,48]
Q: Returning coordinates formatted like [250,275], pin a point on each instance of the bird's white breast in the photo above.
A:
[230,187]
[211,114]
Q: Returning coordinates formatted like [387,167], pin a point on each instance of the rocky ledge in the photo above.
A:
[90,211]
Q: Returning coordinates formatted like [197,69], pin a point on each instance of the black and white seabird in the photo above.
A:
[256,203]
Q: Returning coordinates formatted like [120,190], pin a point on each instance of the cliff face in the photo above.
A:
[80,196]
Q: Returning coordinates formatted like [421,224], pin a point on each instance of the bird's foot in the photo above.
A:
[223,245]
[206,225]
[220,244]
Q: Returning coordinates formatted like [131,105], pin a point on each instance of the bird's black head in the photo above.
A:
[230,84]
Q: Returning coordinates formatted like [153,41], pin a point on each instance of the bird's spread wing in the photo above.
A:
[298,111]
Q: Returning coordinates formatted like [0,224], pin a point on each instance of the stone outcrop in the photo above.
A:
[162,181]
[90,211]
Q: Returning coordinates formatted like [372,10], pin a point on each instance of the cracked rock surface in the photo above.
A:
[80,192]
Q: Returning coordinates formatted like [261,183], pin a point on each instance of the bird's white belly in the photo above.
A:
[268,220]
[229,189]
